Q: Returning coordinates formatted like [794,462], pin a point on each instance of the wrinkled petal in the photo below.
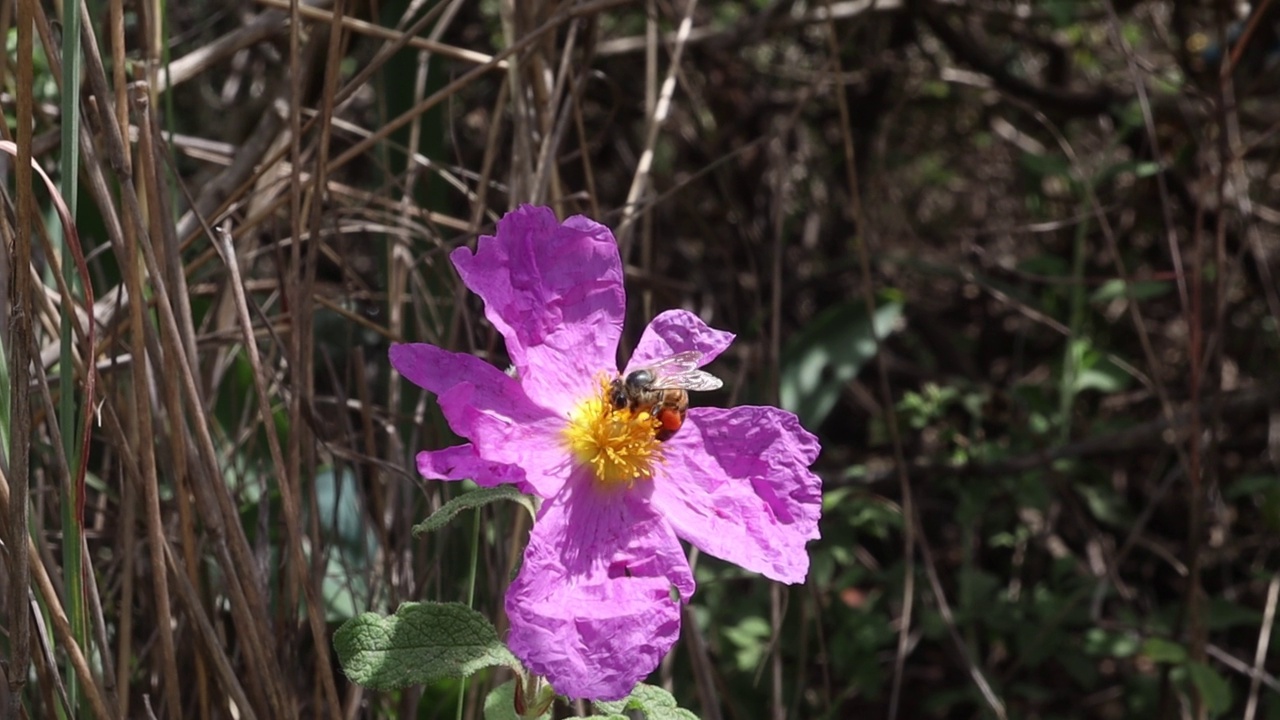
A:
[489,408]
[592,608]
[676,331]
[736,483]
[555,293]
[463,462]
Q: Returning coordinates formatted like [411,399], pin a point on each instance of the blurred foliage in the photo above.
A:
[1070,209]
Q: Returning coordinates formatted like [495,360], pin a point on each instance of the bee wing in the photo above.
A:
[691,380]
[674,364]
[681,371]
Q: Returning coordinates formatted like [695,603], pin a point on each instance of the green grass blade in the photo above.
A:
[73,492]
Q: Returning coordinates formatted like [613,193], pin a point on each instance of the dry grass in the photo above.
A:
[268,204]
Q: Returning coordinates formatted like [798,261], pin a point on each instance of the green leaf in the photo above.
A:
[1222,614]
[1161,650]
[349,547]
[471,501]
[1213,689]
[342,590]
[341,521]
[654,702]
[421,643]
[1043,166]
[1104,503]
[1138,290]
[1096,371]
[1241,487]
[751,639]
[501,703]
[1099,642]
[829,352]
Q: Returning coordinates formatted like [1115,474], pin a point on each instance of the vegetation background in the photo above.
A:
[1051,486]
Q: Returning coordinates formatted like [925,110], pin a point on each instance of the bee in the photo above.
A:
[662,389]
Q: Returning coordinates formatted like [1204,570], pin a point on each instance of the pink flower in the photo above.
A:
[592,608]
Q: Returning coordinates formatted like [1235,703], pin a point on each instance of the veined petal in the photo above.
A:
[554,291]
[736,483]
[592,608]
[676,331]
[438,370]
[463,462]
[489,408]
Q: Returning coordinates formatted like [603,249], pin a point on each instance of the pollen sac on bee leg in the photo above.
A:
[670,420]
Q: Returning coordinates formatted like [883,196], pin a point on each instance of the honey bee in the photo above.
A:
[662,389]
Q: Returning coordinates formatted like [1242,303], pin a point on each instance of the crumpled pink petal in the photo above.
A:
[463,462]
[592,608]
[676,331]
[736,483]
[554,291]
[489,408]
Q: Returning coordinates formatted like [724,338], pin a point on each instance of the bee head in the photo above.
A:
[618,394]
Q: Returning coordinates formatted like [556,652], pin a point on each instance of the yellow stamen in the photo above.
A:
[619,446]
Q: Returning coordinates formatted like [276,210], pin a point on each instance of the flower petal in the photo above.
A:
[463,462]
[489,408]
[676,331]
[555,293]
[592,608]
[736,483]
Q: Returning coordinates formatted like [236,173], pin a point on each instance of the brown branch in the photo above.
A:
[1061,100]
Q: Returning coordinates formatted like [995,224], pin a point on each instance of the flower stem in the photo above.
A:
[471,595]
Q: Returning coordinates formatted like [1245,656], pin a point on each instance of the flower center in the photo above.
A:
[619,446]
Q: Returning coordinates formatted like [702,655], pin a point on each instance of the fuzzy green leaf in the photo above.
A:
[470,501]
[421,643]
[654,702]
